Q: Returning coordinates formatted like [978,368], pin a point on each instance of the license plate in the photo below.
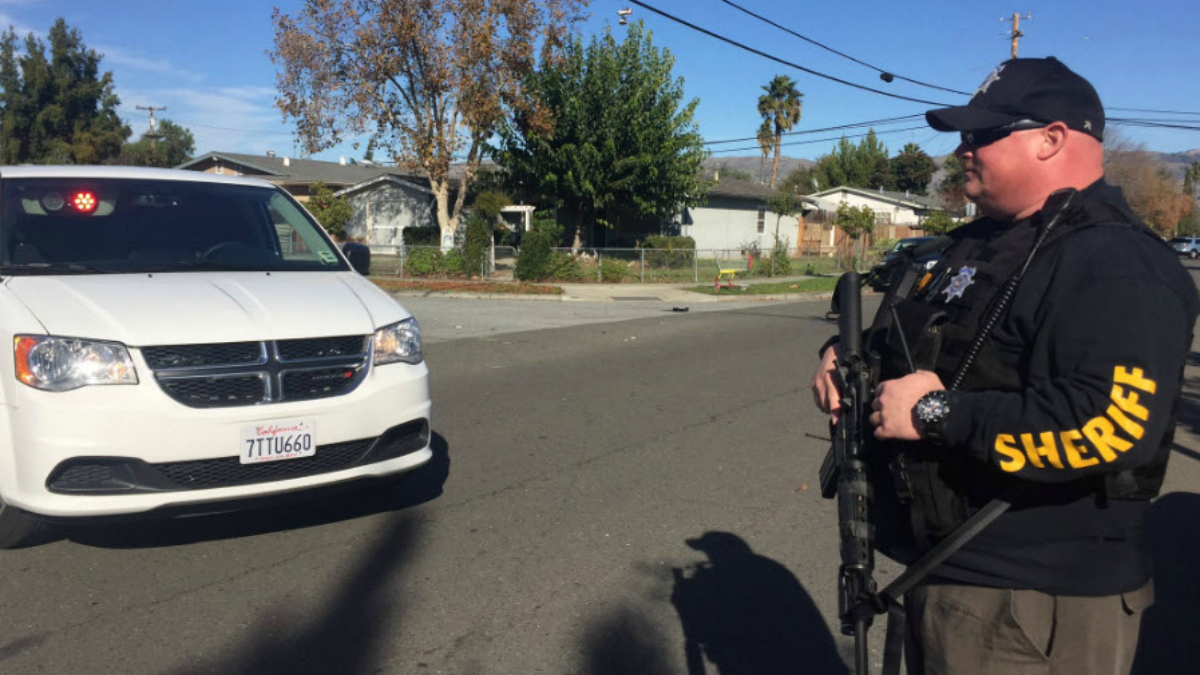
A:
[275,441]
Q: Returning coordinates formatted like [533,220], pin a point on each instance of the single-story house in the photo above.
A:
[385,200]
[897,215]
[384,206]
[735,217]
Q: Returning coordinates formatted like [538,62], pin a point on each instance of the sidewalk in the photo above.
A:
[672,293]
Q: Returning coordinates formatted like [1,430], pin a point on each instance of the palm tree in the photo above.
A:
[765,141]
[780,108]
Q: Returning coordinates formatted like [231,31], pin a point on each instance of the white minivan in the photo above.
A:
[185,340]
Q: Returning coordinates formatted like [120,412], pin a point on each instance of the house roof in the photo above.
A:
[736,188]
[386,178]
[899,198]
[293,170]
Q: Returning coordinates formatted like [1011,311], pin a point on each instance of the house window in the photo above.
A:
[762,220]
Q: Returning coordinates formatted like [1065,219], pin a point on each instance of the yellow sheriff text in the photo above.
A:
[1107,435]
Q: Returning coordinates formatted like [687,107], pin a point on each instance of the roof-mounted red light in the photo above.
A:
[84,202]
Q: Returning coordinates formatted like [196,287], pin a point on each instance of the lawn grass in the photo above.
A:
[814,285]
[465,286]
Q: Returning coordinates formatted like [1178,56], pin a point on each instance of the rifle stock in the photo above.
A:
[844,474]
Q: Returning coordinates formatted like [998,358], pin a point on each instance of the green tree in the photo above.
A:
[939,222]
[872,156]
[855,221]
[623,150]
[1191,180]
[780,108]
[727,171]
[174,146]
[951,189]
[333,212]
[863,166]
[800,181]
[912,169]
[428,79]
[783,205]
[56,110]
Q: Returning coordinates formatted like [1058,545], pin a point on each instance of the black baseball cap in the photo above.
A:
[1042,90]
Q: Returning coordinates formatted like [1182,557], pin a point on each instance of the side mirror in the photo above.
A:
[359,256]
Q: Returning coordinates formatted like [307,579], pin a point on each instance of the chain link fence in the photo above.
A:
[597,265]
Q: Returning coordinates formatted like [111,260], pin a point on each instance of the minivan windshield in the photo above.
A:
[91,226]
[1182,240]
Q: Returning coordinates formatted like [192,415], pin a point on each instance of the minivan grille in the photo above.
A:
[196,356]
[252,373]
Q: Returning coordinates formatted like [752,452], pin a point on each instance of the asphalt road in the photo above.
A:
[601,489]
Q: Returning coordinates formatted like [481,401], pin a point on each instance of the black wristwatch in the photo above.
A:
[931,412]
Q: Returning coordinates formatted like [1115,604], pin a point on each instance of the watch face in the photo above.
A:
[933,407]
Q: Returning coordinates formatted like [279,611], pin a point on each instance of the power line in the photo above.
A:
[776,59]
[888,120]
[824,140]
[887,76]
[1158,112]
[1152,125]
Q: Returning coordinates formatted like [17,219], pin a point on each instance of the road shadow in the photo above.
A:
[345,636]
[297,511]
[623,642]
[748,615]
[1168,643]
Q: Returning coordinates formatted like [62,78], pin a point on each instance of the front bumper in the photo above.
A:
[114,450]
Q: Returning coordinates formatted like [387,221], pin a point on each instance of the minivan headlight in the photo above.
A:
[61,364]
[400,341]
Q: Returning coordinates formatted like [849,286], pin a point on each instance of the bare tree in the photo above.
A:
[429,79]
[1153,194]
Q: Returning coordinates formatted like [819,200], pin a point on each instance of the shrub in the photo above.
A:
[536,260]
[564,267]
[775,263]
[673,253]
[453,262]
[423,261]
[613,270]
[476,245]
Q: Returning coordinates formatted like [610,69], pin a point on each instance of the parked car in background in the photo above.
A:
[1189,246]
[185,341]
[881,275]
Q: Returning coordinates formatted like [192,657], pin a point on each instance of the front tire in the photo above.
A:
[1193,254]
[17,527]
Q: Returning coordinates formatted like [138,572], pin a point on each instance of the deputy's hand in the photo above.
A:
[825,391]
[894,401]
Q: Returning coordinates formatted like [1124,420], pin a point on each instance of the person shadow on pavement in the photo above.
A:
[1168,644]
[748,615]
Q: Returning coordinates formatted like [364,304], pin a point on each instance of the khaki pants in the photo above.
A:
[971,630]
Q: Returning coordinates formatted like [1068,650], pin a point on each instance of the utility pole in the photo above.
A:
[153,135]
[1016,29]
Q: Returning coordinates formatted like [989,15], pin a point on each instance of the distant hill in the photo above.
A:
[751,165]
[1176,162]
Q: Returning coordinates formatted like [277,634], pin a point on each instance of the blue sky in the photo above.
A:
[207,61]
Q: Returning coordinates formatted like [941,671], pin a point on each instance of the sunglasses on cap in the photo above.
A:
[982,137]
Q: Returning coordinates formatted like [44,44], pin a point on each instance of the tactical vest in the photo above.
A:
[922,492]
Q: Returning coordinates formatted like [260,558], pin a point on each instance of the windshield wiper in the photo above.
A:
[53,268]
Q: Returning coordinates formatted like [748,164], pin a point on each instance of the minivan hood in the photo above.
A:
[197,307]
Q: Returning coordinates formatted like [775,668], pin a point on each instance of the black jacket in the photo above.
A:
[1079,381]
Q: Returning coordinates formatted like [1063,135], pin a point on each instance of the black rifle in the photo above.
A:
[844,474]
